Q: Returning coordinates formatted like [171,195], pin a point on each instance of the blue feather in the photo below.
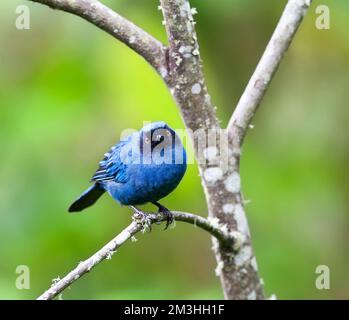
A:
[128,178]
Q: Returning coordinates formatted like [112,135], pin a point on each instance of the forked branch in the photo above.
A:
[281,39]
[180,66]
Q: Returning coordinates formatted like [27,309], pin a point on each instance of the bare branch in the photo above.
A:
[120,28]
[237,270]
[181,68]
[137,225]
[186,79]
[287,27]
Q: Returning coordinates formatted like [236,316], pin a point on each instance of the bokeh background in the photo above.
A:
[67,90]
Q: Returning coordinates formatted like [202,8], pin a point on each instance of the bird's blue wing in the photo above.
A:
[112,167]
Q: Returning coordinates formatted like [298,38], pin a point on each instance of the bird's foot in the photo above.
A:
[163,210]
[141,218]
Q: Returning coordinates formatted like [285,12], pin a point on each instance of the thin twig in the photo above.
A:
[250,100]
[120,28]
[136,226]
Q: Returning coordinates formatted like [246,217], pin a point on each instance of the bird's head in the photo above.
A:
[157,133]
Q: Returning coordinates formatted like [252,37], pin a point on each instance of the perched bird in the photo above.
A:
[144,167]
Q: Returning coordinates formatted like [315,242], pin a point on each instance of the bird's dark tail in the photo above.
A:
[87,199]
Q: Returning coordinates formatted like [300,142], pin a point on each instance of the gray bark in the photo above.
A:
[180,66]
[138,224]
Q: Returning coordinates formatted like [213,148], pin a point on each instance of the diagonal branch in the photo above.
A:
[180,67]
[120,28]
[136,226]
[250,100]
[221,181]
[186,79]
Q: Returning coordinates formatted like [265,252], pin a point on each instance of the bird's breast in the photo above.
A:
[149,182]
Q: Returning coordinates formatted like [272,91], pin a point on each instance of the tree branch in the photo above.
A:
[223,236]
[181,68]
[250,100]
[237,270]
[186,80]
[117,26]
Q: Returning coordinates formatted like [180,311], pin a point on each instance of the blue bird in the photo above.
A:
[144,167]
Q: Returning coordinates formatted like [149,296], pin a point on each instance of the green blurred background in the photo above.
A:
[67,90]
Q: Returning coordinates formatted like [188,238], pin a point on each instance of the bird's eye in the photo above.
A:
[168,133]
[146,140]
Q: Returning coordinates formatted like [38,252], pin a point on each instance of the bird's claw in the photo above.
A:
[169,216]
[143,219]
